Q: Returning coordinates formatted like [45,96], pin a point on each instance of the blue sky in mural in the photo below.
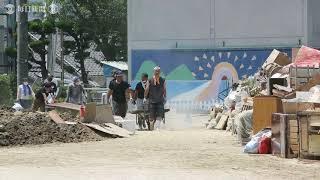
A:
[202,62]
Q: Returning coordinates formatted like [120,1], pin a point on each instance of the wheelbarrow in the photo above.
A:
[142,117]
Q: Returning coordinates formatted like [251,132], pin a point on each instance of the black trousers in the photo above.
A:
[156,110]
[120,109]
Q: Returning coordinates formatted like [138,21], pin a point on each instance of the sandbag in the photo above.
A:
[265,145]
[214,121]
[17,107]
[243,123]
[252,147]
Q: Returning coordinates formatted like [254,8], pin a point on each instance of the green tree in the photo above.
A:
[41,29]
[98,25]
[108,27]
[6,93]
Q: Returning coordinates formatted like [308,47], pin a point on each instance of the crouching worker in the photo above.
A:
[156,91]
[41,100]
[119,90]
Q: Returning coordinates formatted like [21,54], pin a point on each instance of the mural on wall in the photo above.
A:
[197,75]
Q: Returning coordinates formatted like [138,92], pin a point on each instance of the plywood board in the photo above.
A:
[119,130]
[314,144]
[222,123]
[56,117]
[263,108]
[107,130]
[303,133]
[104,114]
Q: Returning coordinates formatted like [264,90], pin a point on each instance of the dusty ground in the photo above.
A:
[193,153]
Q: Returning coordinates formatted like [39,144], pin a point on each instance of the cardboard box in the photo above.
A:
[294,107]
[278,58]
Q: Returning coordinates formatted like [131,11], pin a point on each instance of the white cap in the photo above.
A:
[156,68]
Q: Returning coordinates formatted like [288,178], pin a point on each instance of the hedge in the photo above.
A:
[5,88]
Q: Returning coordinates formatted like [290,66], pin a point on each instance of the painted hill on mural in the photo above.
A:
[146,67]
[182,72]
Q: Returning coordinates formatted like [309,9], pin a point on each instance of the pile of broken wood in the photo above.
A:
[284,78]
[97,118]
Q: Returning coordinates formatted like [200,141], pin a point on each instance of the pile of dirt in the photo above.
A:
[68,116]
[38,128]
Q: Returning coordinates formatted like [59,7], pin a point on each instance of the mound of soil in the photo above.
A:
[38,128]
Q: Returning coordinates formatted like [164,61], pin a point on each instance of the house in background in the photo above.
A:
[110,66]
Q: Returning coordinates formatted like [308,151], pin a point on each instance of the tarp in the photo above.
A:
[307,57]
[123,66]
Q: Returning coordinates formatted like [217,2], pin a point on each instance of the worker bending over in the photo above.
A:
[156,91]
[119,90]
[41,98]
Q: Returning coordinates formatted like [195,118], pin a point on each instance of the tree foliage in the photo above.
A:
[41,29]
[98,25]
[6,93]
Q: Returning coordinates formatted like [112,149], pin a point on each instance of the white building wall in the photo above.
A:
[166,24]
[313,23]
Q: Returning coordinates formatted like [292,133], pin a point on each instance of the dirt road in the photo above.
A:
[193,153]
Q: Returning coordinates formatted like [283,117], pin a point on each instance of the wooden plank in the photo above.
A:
[294,135]
[283,88]
[65,105]
[295,147]
[294,130]
[56,117]
[293,123]
[294,141]
[303,133]
[222,123]
[123,131]
[107,130]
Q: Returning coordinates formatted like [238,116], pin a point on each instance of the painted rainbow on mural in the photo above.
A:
[222,70]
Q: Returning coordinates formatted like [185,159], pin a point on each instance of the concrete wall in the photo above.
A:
[216,23]
[313,23]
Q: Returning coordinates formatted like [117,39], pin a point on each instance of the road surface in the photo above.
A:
[191,153]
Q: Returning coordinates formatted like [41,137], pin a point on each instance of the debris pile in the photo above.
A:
[281,95]
[38,128]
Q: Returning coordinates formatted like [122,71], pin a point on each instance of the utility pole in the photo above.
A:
[22,44]
[62,56]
